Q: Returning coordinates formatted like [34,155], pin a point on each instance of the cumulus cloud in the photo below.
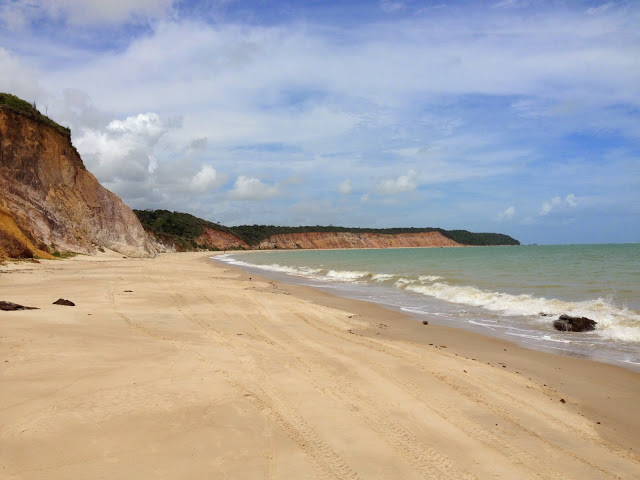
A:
[345,187]
[557,203]
[403,183]
[130,156]
[251,188]
[507,214]
[206,179]
[124,149]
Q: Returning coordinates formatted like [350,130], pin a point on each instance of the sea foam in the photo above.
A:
[613,322]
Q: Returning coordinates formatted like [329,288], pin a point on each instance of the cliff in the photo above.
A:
[184,232]
[49,202]
[324,240]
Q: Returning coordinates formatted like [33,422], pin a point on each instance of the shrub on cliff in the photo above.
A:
[30,110]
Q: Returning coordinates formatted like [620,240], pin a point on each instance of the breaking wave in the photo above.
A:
[613,322]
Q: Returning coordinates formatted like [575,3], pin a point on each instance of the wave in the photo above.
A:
[382,277]
[613,322]
[429,278]
[274,267]
[346,275]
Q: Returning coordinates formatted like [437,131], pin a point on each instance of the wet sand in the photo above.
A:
[179,367]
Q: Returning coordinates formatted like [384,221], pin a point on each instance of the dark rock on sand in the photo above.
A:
[62,301]
[574,324]
[9,307]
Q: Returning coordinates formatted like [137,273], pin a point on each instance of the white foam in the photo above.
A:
[381,277]
[429,278]
[345,275]
[274,267]
[403,282]
[613,323]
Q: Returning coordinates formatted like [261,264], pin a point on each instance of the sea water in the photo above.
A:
[508,292]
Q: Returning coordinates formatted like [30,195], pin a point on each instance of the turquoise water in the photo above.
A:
[500,291]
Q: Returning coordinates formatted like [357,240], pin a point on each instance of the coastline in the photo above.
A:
[506,309]
[554,371]
[210,372]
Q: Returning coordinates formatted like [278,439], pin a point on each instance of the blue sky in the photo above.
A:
[512,116]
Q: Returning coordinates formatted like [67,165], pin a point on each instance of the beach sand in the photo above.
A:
[179,367]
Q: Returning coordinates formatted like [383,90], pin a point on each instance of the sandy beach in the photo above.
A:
[180,367]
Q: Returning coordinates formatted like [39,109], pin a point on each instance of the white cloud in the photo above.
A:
[557,203]
[507,214]
[510,4]
[17,14]
[124,149]
[345,187]
[388,6]
[135,158]
[403,183]
[600,9]
[206,179]
[251,188]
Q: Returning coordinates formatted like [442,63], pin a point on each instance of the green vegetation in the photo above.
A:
[479,239]
[63,255]
[184,229]
[254,234]
[30,110]
[181,228]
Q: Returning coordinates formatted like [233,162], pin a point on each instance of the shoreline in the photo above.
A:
[156,374]
[604,354]
[548,369]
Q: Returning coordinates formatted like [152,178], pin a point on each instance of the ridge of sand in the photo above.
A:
[177,367]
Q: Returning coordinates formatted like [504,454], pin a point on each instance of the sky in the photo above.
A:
[512,116]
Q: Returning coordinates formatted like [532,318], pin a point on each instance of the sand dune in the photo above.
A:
[177,367]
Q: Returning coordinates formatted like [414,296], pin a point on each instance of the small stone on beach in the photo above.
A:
[9,306]
[62,301]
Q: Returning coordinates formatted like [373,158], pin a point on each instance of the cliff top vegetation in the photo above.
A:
[186,227]
[30,110]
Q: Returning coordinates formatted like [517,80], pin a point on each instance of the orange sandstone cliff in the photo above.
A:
[219,240]
[50,203]
[324,240]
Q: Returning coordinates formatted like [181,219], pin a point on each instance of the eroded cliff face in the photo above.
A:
[219,240]
[210,239]
[50,202]
[324,240]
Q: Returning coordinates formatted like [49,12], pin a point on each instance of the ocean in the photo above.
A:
[508,292]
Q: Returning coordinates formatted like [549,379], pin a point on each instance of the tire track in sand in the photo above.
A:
[266,398]
[450,380]
[426,461]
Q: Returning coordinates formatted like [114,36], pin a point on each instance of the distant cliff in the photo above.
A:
[181,231]
[323,240]
[49,202]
